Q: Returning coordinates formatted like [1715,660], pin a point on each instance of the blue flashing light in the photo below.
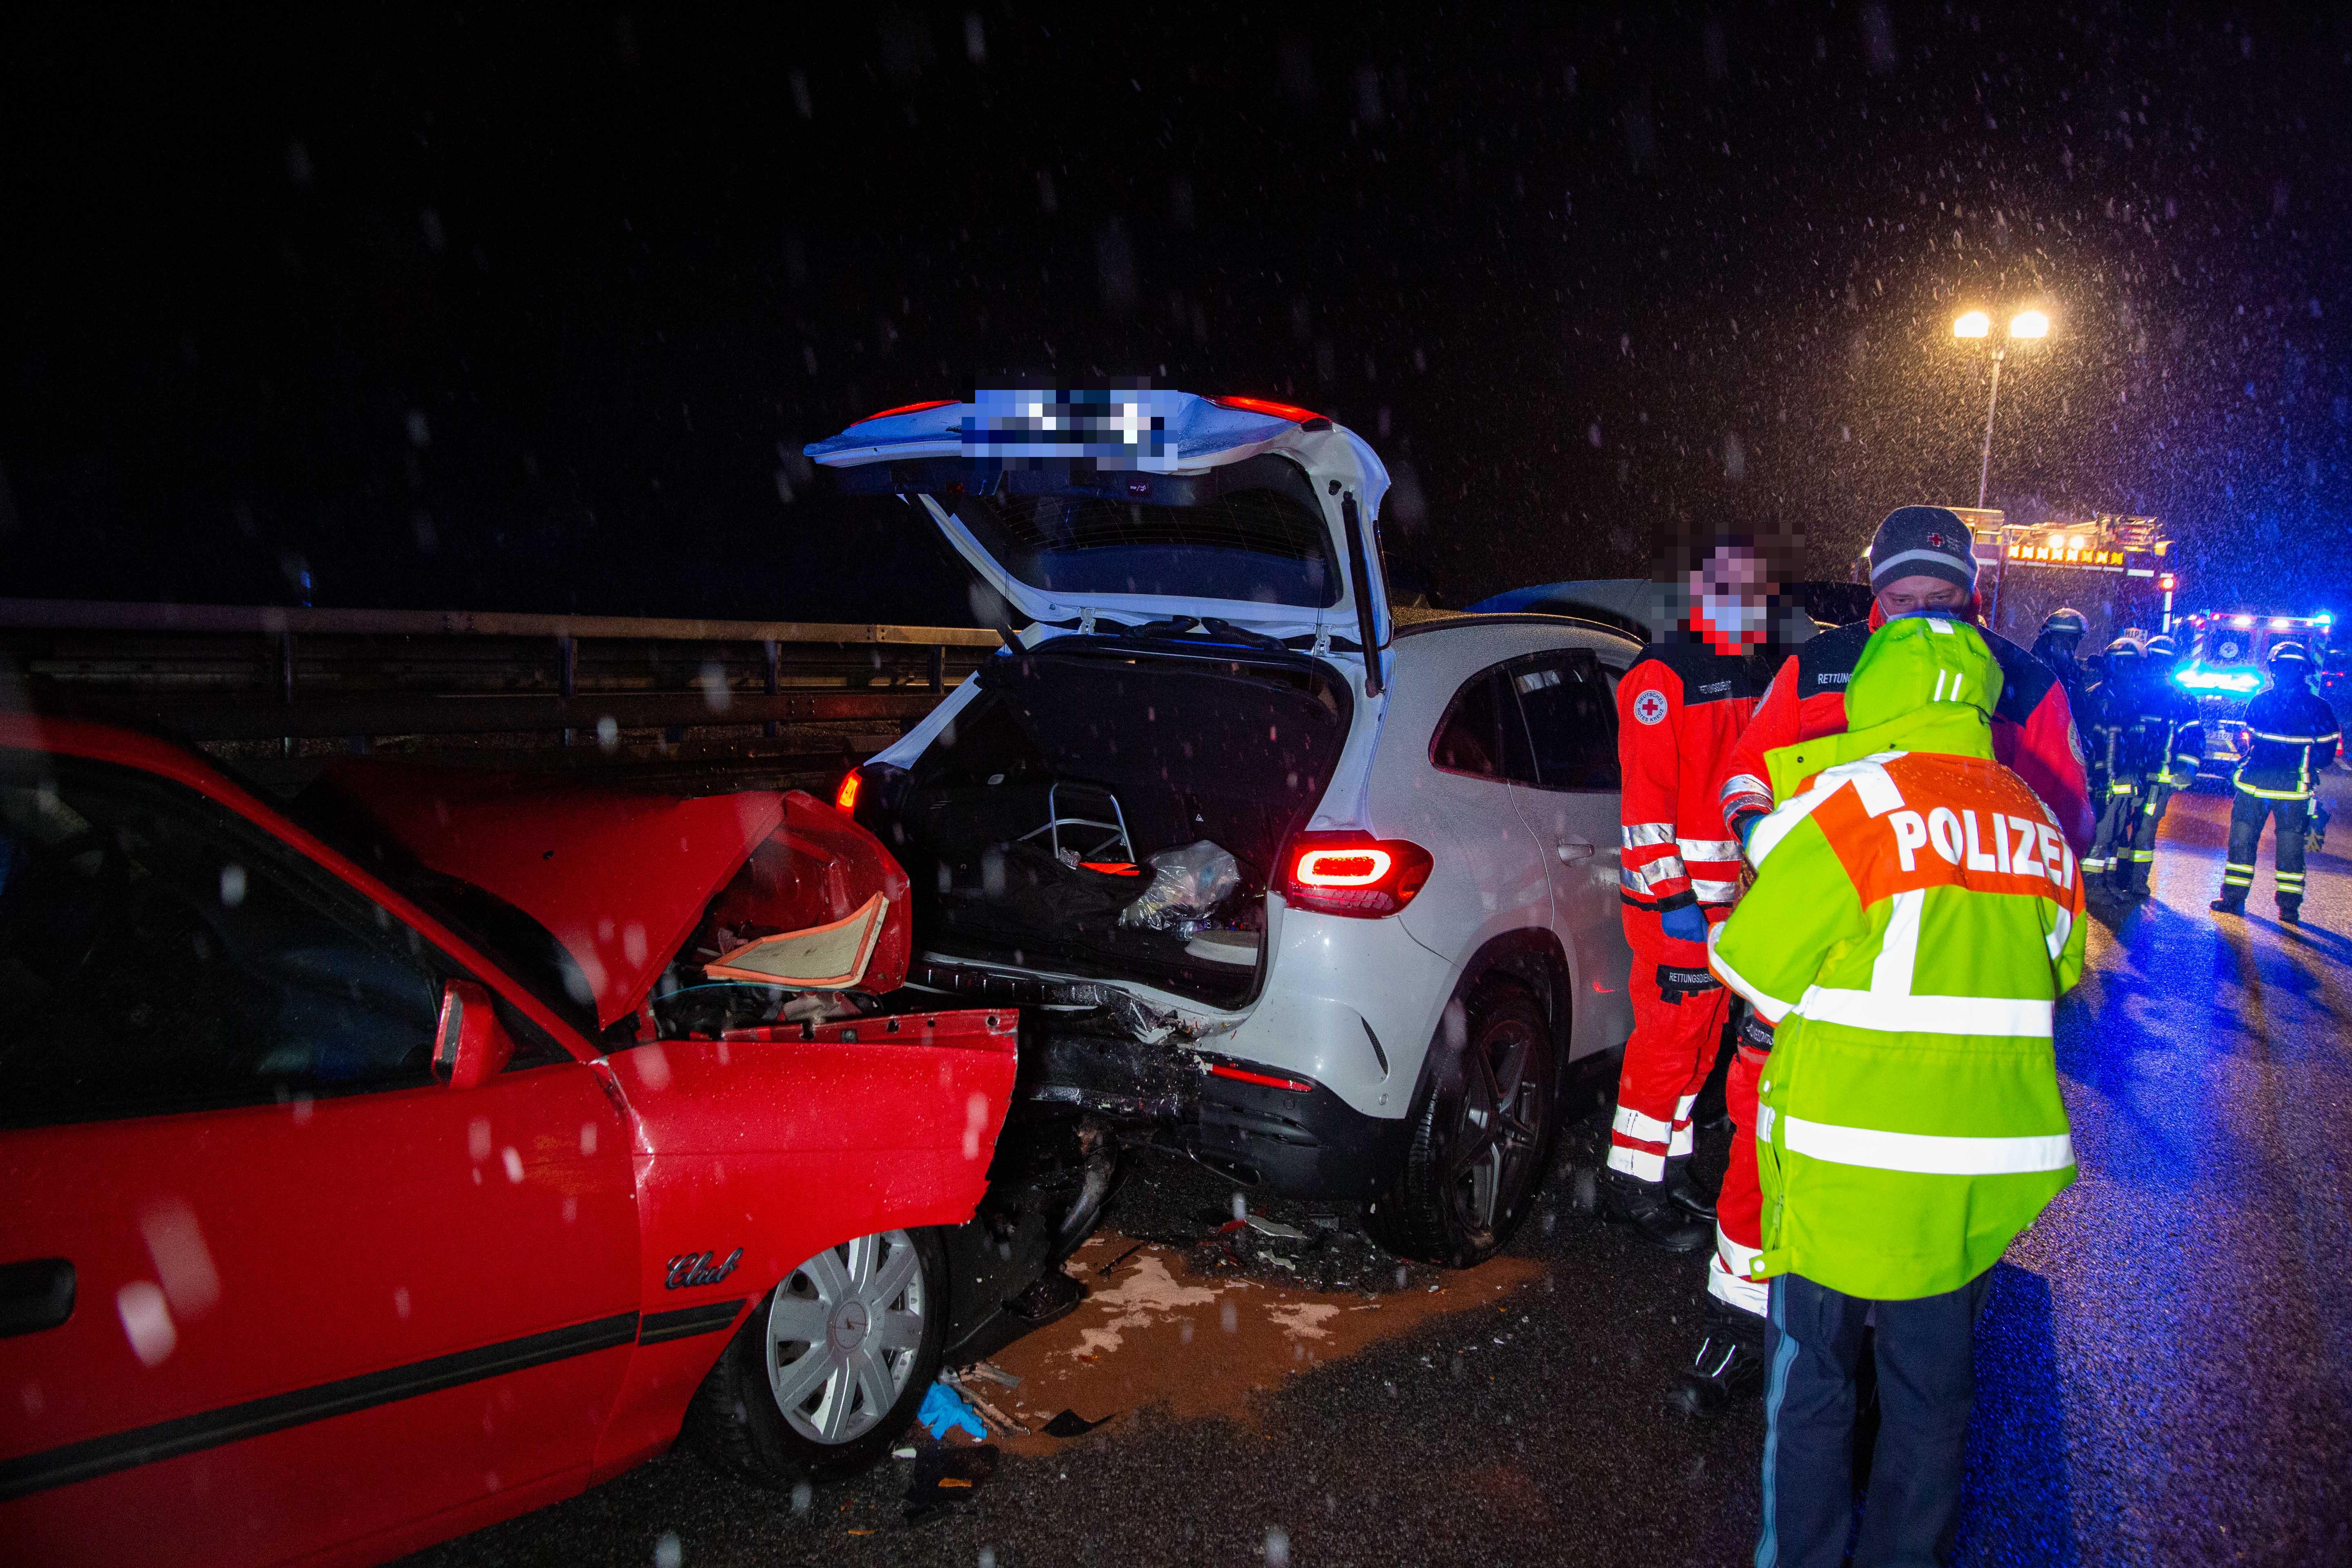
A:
[2322,619]
[2194,678]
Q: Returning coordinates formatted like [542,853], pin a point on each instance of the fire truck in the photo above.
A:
[2113,568]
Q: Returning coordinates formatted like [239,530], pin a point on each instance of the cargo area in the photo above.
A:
[1030,827]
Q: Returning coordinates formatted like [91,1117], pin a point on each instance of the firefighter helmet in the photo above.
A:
[2290,652]
[2161,645]
[2065,622]
[2125,648]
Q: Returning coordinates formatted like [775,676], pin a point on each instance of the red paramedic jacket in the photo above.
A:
[1679,709]
[2032,727]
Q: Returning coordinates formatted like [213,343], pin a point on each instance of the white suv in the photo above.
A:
[1377,995]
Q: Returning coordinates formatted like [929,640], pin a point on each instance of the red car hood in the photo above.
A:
[620,878]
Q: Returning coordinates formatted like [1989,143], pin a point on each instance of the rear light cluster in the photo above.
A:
[1352,874]
[845,799]
[1262,405]
[1263,1080]
[909,408]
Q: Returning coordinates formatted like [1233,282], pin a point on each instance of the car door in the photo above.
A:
[1467,795]
[268,1287]
[1567,793]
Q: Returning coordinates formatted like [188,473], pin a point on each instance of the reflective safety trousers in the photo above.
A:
[1916,916]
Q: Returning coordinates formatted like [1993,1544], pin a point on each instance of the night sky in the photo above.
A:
[466,310]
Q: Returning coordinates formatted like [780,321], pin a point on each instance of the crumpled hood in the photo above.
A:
[620,878]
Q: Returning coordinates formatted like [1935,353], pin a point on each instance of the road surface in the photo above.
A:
[2164,1368]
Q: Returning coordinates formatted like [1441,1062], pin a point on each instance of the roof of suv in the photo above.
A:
[1415,621]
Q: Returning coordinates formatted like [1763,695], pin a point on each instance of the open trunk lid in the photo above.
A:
[1098,510]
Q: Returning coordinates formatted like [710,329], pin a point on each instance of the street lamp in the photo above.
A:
[2024,326]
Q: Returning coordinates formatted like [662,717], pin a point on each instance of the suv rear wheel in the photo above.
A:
[829,1370]
[1480,1132]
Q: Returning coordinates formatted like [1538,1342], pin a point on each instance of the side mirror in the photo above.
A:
[470,1046]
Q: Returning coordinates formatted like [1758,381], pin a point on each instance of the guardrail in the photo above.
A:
[569,690]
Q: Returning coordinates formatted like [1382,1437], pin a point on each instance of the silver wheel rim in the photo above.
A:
[843,1329]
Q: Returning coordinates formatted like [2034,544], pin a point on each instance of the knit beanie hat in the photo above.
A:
[1923,542]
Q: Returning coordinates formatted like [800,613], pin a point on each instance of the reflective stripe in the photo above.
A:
[2244,788]
[1923,1153]
[2289,740]
[2056,940]
[1745,786]
[1639,1163]
[1638,835]
[1632,1123]
[2013,1017]
[1769,1006]
[1872,784]
[1646,879]
[1899,955]
[1715,892]
[1746,1295]
[1730,1257]
[1709,848]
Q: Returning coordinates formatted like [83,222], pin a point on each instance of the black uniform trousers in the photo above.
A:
[2159,793]
[2246,815]
[1926,1383]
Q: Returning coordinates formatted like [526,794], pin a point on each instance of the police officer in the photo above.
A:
[2170,747]
[2294,737]
[1909,1123]
[2113,734]
[2062,633]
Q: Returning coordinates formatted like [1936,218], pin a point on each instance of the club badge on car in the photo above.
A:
[691,1268]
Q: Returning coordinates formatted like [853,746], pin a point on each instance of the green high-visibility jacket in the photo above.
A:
[1914,917]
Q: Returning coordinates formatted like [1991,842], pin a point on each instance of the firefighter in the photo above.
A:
[2294,738]
[1923,557]
[2169,753]
[2113,728]
[1914,917]
[1679,708]
[2063,632]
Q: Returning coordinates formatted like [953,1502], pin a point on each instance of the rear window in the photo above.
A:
[1259,539]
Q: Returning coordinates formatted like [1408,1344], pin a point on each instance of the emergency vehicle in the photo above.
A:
[2225,657]
[2113,568]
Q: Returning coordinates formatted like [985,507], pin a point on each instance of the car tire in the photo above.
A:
[779,1406]
[1481,1130]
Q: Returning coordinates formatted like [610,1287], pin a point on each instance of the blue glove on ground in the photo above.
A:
[1685,924]
[944,1410]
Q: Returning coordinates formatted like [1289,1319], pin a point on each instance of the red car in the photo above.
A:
[373,1180]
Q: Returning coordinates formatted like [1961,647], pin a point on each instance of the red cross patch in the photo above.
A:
[1650,706]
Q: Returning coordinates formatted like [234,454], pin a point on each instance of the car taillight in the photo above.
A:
[908,408]
[1262,405]
[845,799]
[1263,1080]
[1352,874]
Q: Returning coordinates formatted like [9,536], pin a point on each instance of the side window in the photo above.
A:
[1571,718]
[157,953]
[1469,740]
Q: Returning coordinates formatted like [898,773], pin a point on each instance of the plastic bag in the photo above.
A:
[1186,883]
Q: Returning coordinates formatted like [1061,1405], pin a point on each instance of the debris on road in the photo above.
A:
[997,1374]
[943,1476]
[944,1410]
[1070,1424]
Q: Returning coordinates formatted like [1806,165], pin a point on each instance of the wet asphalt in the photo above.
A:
[2164,1368]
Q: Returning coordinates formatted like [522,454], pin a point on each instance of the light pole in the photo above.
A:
[2026,324]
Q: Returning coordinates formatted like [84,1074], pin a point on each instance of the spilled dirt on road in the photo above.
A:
[1154,1333]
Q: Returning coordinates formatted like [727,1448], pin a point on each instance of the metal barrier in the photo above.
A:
[492,687]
